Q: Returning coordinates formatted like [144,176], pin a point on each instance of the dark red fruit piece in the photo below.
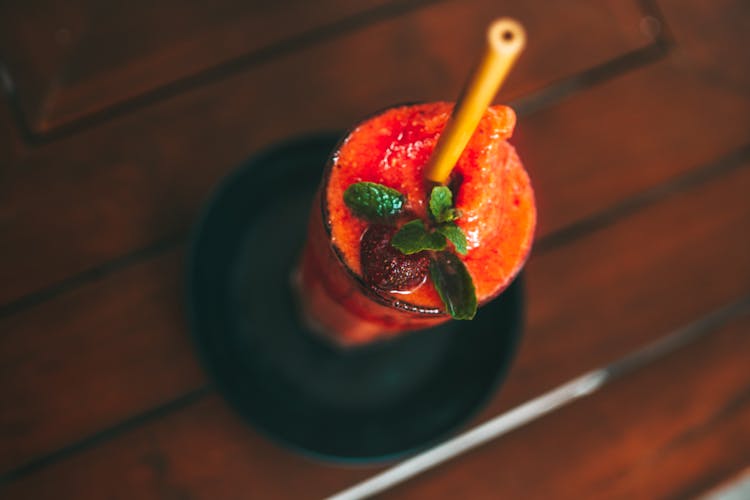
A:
[385,267]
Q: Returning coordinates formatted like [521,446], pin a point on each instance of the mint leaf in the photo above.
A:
[454,285]
[455,235]
[441,205]
[413,237]
[373,202]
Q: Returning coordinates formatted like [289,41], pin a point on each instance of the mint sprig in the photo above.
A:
[373,202]
[455,235]
[441,205]
[454,285]
[413,237]
[449,274]
[380,204]
[443,213]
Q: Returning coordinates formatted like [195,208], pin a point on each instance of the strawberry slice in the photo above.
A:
[385,267]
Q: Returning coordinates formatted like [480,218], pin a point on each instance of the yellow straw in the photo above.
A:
[506,39]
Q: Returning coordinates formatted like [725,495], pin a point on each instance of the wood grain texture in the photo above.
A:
[712,38]
[92,358]
[615,140]
[669,153]
[206,452]
[10,140]
[642,230]
[86,58]
[584,311]
[72,61]
[671,430]
[141,178]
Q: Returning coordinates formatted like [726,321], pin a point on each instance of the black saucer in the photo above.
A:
[369,403]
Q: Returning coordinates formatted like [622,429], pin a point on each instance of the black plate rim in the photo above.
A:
[191,263]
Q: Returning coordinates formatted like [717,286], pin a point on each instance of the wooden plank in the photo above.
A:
[159,461]
[584,311]
[74,61]
[11,145]
[721,445]
[34,324]
[615,140]
[144,176]
[87,60]
[95,356]
[671,430]
[712,37]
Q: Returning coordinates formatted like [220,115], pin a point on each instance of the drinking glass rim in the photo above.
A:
[384,298]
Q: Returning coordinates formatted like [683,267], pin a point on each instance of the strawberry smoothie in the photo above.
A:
[355,286]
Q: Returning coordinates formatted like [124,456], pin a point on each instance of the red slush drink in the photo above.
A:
[354,286]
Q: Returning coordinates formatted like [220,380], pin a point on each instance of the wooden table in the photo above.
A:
[117,121]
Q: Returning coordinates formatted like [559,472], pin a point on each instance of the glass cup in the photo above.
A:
[497,203]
